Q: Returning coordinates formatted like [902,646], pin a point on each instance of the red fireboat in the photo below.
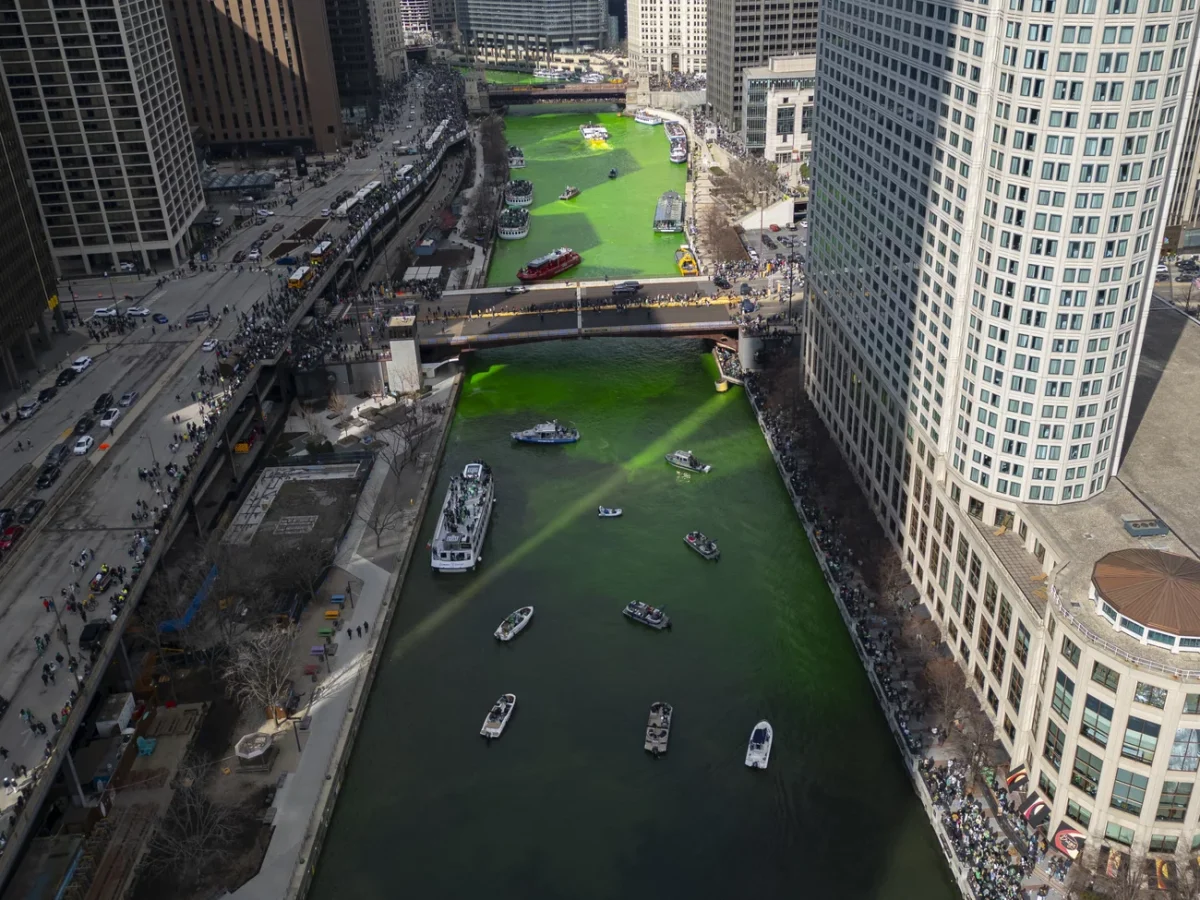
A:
[553,263]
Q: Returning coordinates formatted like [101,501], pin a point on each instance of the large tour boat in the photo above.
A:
[668,214]
[703,545]
[457,544]
[758,751]
[658,728]
[516,158]
[514,624]
[645,118]
[685,459]
[554,74]
[686,262]
[553,263]
[594,132]
[677,138]
[547,433]
[519,193]
[647,615]
[513,224]
[498,716]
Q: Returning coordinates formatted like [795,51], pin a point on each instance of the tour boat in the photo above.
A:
[686,262]
[668,214]
[513,224]
[612,173]
[647,615]
[516,158]
[553,263]
[593,132]
[702,545]
[555,74]
[685,459]
[570,192]
[547,433]
[591,78]
[457,544]
[758,753]
[607,512]
[514,624]
[519,193]
[645,118]
[658,728]
[498,716]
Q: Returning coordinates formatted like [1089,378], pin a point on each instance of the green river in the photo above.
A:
[567,804]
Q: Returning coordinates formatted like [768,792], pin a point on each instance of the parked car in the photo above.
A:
[46,394]
[254,255]
[93,635]
[30,510]
[47,477]
[515,289]
[103,402]
[82,364]
[745,290]
[138,312]
[84,425]
[239,256]
[58,455]
[327,212]
[627,287]
[209,346]
[105,312]
[28,408]
[278,226]
[129,267]
[263,212]
[722,282]
[161,319]
[84,445]
[6,517]
[9,536]
[128,398]
[66,376]
[110,417]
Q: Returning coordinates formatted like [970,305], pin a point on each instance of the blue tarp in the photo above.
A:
[194,607]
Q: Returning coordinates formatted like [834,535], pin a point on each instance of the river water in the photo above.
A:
[611,222]
[567,804]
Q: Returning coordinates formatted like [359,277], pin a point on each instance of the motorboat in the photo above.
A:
[553,263]
[498,716]
[457,544]
[703,545]
[547,433]
[685,459]
[514,624]
[645,118]
[569,193]
[758,752]
[612,173]
[594,132]
[646,614]
[610,513]
[685,260]
[553,74]
[658,728]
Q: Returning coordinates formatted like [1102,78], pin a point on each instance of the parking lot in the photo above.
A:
[1176,278]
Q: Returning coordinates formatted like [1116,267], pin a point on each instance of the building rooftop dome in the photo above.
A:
[1159,590]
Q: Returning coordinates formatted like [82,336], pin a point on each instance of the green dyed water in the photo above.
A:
[503,76]
[568,804]
[611,223]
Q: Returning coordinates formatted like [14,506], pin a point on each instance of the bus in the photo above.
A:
[404,172]
[300,278]
[320,253]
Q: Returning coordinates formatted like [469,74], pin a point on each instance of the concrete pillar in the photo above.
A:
[10,366]
[28,344]
[43,331]
[125,664]
[75,777]
[87,263]
[747,346]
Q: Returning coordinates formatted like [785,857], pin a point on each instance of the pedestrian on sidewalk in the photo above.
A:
[349,634]
[3,753]
[367,627]
[358,631]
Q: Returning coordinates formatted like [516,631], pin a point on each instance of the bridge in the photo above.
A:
[510,94]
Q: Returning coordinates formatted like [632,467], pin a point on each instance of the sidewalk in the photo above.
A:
[305,802]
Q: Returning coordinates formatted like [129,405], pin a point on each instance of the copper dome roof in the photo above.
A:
[1157,589]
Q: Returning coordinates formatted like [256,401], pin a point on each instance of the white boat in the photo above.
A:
[645,118]
[658,728]
[647,615]
[703,545]
[514,624]
[594,132]
[758,752]
[457,544]
[607,512]
[556,74]
[498,716]
[547,433]
[685,459]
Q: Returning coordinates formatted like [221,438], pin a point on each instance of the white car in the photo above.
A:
[263,212]
[82,364]
[106,312]
[128,267]
[218,222]
[254,255]
[209,346]
[110,417]
[327,212]
[139,312]
[27,409]
[84,445]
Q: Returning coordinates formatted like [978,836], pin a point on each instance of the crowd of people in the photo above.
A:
[729,363]
[678,81]
[711,131]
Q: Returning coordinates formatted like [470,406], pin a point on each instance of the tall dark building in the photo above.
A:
[617,8]
[353,57]
[29,275]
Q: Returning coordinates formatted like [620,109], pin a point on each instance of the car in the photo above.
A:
[265,236]
[128,398]
[28,408]
[9,536]
[46,394]
[93,635]
[773,227]
[515,289]
[160,319]
[110,417]
[768,242]
[627,287]
[65,377]
[278,226]
[6,517]
[722,282]
[254,255]
[105,312]
[209,346]
[218,222]
[84,425]
[81,365]
[239,256]
[1183,279]
[327,212]
[129,267]
[200,315]
[30,510]
[138,312]
[745,290]
[58,455]
[84,445]
[263,212]
[791,226]
[103,402]
[47,477]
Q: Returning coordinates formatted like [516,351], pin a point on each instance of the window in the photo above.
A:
[1064,689]
[1150,695]
[1191,704]
[1056,739]
[1141,740]
[1119,833]
[1185,751]
[1163,843]
[785,120]
[1070,651]
[1102,674]
[1016,685]
[1085,774]
[1079,814]
[1005,618]
[1173,801]
[1046,786]
[1129,792]
[1021,647]
[1097,721]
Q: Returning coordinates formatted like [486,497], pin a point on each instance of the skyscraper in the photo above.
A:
[96,95]
[531,29]
[667,35]
[353,50]
[745,33]
[989,194]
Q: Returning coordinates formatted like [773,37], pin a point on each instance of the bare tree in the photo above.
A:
[1187,882]
[495,148]
[194,837]
[886,574]
[300,567]
[260,668]
[723,242]
[241,595]
[956,711]
[920,634]
[398,446]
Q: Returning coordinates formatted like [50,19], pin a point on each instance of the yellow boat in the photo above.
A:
[686,262]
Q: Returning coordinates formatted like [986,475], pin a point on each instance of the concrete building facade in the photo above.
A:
[352,45]
[387,38]
[258,77]
[530,29]
[778,110]
[1185,199]
[989,194]
[745,33]
[667,36]
[97,101]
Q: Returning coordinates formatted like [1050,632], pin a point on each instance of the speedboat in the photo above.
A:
[514,624]
[612,173]
[702,545]
[570,192]
[758,752]
[647,615]
[497,718]
[658,728]
[610,513]
[547,433]
[594,132]
[685,459]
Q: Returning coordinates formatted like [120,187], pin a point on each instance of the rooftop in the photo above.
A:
[1153,588]
[800,65]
